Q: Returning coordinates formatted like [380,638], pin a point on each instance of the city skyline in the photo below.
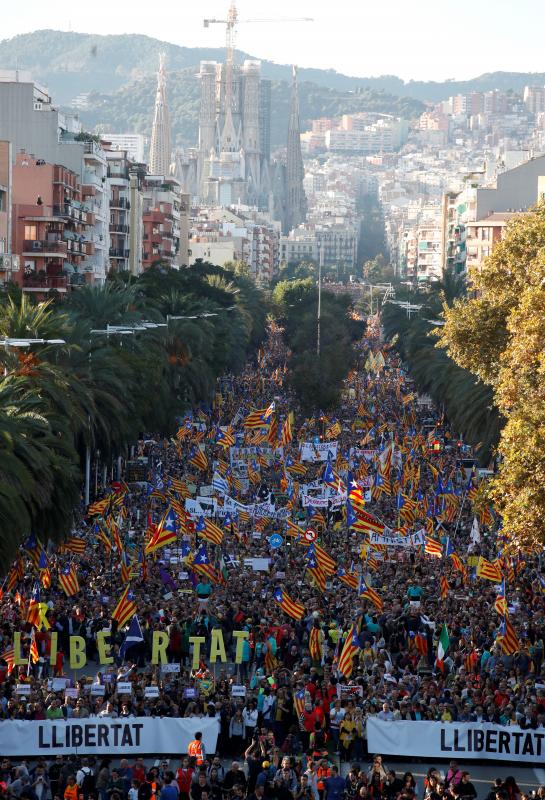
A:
[387,38]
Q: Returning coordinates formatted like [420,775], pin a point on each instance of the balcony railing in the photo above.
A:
[44,246]
[118,253]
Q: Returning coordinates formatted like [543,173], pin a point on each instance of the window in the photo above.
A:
[30,233]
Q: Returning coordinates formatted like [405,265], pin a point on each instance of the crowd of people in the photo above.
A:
[262,776]
[300,702]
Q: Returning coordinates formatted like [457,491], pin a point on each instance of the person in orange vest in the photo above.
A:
[71,791]
[196,751]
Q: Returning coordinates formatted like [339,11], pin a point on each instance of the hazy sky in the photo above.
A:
[420,39]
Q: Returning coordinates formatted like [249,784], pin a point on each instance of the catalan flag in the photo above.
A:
[256,419]
[209,530]
[68,580]
[367,591]
[444,587]
[350,648]
[197,458]
[201,563]
[433,548]
[272,435]
[421,644]
[507,637]
[225,438]
[363,521]
[125,567]
[489,571]
[125,608]
[324,559]
[165,533]
[295,467]
[470,661]
[315,643]
[98,507]
[34,656]
[288,606]
[73,545]
[9,657]
[333,430]
[316,572]
[287,430]
[298,702]
[45,572]
[500,604]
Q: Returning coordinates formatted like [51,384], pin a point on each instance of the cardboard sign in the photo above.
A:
[71,691]
[23,688]
[238,691]
[98,690]
[58,684]
[190,692]
[151,691]
[124,687]
[170,668]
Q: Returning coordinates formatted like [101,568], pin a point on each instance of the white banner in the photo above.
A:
[395,540]
[460,740]
[102,736]
[314,502]
[318,452]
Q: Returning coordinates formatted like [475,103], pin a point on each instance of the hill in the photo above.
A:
[119,74]
[70,63]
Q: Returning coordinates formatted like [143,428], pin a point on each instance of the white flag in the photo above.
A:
[475,534]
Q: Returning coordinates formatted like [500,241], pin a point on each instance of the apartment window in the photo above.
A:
[485,234]
[30,233]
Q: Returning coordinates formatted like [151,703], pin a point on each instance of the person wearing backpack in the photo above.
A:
[85,779]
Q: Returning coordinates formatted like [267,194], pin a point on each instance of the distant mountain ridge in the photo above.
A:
[70,63]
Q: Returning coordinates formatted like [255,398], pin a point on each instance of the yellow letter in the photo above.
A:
[196,641]
[53,653]
[159,644]
[17,660]
[104,648]
[78,657]
[217,648]
[240,636]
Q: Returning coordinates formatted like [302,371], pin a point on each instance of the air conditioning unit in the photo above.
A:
[36,245]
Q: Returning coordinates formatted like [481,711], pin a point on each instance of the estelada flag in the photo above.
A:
[125,608]
[289,606]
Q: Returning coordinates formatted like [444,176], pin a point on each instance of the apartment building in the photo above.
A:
[133,143]
[51,226]
[161,221]
[9,263]
[124,179]
[338,241]
[381,136]
[96,196]
[484,234]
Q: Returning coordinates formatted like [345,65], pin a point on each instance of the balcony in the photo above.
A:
[44,247]
[40,282]
[119,202]
[118,253]
[118,228]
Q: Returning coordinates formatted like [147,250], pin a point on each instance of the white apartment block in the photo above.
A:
[133,143]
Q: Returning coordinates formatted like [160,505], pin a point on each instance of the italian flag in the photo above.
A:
[442,647]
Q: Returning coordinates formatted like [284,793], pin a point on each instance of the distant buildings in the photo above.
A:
[133,143]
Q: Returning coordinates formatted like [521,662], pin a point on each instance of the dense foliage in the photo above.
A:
[467,402]
[498,333]
[103,390]
[316,380]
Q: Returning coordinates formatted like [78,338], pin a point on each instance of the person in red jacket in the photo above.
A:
[184,776]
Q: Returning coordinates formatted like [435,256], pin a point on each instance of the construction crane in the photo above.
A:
[230,39]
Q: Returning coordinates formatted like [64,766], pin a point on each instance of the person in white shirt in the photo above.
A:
[385,714]
[249,717]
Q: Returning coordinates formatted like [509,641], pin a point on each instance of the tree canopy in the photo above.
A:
[498,333]
[103,390]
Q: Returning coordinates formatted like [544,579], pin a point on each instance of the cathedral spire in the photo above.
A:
[296,201]
[160,147]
